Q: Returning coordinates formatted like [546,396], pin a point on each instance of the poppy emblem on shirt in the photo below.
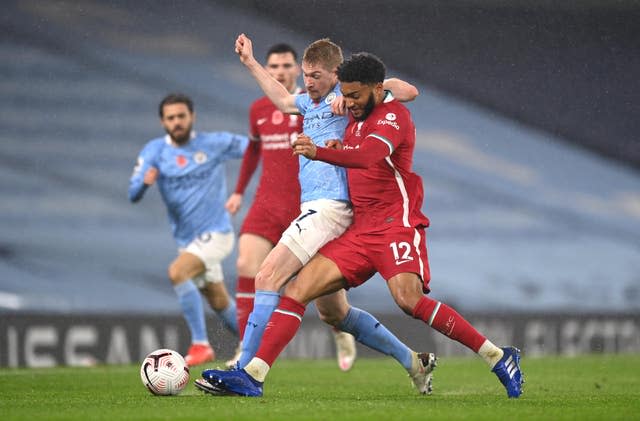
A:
[181,161]
[330,98]
[277,117]
[200,157]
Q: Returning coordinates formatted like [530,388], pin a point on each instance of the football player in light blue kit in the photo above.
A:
[325,212]
[189,169]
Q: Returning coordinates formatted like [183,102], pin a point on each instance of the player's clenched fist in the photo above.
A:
[244,48]
[304,146]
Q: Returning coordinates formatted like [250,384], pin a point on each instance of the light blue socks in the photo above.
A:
[264,304]
[192,309]
[370,332]
[228,316]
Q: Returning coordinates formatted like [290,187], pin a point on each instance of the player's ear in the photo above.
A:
[379,88]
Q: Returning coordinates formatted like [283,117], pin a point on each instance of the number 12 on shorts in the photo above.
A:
[401,252]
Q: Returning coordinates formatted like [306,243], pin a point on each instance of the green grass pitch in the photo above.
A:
[593,387]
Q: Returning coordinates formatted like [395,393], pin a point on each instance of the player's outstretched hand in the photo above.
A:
[304,146]
[234,202]
[244,48]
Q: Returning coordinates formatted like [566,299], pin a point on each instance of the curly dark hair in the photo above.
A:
[175,99]
[365,68]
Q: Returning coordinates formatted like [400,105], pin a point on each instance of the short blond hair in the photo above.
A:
[323,52]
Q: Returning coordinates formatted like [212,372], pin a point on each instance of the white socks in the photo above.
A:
[490,353]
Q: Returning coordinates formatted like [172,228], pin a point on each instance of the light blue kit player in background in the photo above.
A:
[189,169]
[325,213]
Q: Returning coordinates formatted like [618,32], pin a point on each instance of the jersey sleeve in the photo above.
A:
[301,102]
[236,144]
[389,129]
[369,153]
[250,162]
[254,131]
[146,159]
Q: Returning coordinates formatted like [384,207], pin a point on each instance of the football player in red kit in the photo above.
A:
[387,234]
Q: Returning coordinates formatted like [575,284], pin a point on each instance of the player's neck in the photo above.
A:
[322,98]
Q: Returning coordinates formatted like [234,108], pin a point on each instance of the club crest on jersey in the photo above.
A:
[181,161]
[330,98]
[277,117]
[200,157]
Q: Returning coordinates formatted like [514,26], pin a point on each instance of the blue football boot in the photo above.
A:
[207,387]
[236,382]
[508,371]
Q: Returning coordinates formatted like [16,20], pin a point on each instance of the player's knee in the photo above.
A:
[329,318]
[174,274]
[406,300]
[406,308]
[244,264]
[266,279]
[406,292]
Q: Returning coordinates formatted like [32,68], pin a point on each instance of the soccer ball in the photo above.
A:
[164,372]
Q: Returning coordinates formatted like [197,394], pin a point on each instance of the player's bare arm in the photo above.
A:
[273,89]
[234,203]
[401,90]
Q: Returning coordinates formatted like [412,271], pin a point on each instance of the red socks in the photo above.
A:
[245,292]
[447,321]
[282,327]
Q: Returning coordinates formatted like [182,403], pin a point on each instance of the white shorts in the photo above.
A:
[320,221]
[211,248]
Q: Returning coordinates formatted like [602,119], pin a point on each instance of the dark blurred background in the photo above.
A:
[568,68]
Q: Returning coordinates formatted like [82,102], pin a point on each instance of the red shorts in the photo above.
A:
[269,221]
[360,254]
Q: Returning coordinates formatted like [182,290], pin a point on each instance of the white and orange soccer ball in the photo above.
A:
[164,372]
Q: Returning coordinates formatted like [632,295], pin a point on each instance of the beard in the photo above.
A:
[366,111]
[180,136]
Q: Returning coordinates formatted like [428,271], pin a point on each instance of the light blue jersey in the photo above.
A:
[191,180]
[319,180]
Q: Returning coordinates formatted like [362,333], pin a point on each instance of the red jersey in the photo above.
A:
[387,193]
[271,133]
